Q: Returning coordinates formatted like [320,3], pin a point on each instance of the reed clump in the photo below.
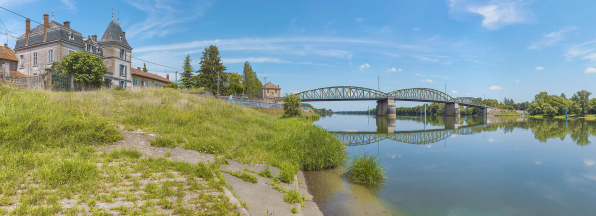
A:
[365,169]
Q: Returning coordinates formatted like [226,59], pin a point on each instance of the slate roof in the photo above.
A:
[56,31]
[7,54]
[270,85]
[139,72]
[113,34]
[94,46]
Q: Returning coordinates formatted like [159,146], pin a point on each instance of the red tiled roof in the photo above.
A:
[16,74]
[139,72]
[7,53]
[270,85]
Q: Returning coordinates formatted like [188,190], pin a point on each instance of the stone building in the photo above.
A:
[48,42]
[269,90]
[141,78]
[51,41]
[8,63]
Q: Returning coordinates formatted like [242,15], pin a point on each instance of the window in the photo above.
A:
[88,48]
[50,56]
[120,38]
[34,58]
[123,70]
[123,54]
[21,60]
[70,51]
[71,36]
[99,52]
[122,84]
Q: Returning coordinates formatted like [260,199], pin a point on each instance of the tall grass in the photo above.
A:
[365,169]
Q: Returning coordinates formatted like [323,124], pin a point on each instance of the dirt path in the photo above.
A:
[260,197]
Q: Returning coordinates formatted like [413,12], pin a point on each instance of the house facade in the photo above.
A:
[8,63]
[51,41]
[269,90]
[141,78]
[44,44]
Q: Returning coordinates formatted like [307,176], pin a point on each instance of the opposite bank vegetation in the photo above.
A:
[48,140]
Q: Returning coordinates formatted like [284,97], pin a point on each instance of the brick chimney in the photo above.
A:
[67,24]
[6,45]
[27,30]
[46,24]
[124,33]
[94,38]
[168,76]
[138,68]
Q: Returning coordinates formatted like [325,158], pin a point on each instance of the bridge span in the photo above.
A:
[386,101]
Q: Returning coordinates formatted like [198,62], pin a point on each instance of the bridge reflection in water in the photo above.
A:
[386,131]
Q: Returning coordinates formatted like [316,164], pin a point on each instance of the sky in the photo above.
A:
[477,48]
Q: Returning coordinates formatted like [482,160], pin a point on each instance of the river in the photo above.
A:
[464,166]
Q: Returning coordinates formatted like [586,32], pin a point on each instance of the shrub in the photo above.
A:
[286,173]
[365,169]
[292,106]
[87,68]
[266,173]
[294,197]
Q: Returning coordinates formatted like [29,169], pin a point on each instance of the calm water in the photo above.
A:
[464,166]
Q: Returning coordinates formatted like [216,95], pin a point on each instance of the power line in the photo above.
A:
[156,63]
[19,15]
[7,30]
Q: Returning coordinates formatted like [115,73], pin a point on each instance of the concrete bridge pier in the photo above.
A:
[386,107]
[385,124]
[451,109]
[483,111]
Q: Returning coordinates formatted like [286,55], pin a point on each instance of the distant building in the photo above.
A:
[8,64]
[51,41]
[269,90]
[145,79]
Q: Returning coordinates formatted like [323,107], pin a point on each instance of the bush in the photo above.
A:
[292,106]
[266,173]
[365,169]
[294,197]
[286,173]
[87,68]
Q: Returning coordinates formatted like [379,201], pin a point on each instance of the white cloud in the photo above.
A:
[516,81]
[252,60]
[294,92]
[69,5]
[538,162]
[495,87]
[590,70]
[585,51]
[428,81]
[365,65]
[416,29]
[469,94]
[359,20]
[540,68]
[162,17]
[590,162]
[391,70]
[496,13]
[454,92]
[552,38]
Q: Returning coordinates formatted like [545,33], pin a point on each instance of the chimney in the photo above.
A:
[94,38]
[168,76]
[67,24]
[27,30]
[138,68]
[46,24]
[6,45]
[124,33]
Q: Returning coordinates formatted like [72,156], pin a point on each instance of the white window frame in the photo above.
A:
[22,62]
[71,36]
[35,59]
[89,48]
[50,56]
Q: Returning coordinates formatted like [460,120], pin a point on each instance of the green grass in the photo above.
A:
[246,176]
[507,115]
[365,169]
[294,210]
[294,197]
[266,173]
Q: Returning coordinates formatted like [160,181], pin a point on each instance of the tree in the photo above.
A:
[291,106]
[251,82]
[211,68]
[145,68]
[563,95]
[582,99]
[234,83]
[86,67]
[186,76]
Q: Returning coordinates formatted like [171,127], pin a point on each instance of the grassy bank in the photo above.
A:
[587,117]
[48,141]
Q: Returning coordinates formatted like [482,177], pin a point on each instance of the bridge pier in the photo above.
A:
[483,111]
[386,107]
[451,109]
[452,122]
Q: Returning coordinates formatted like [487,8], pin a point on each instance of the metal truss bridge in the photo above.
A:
[348,93]
[419,137]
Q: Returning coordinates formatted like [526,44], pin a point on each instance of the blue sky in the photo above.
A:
[500,48]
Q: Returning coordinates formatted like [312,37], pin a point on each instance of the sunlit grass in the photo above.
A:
[365,169]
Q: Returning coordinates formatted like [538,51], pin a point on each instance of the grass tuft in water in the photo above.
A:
[365,169]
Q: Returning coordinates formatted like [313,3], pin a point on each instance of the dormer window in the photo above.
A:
[88,48]
[120,38]
[71,36]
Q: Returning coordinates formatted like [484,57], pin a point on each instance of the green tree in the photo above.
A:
[251,82]
[292,106]
[186,76]
[582,99]
[563,95]
[234,83]
[211,68]
[145,68]
[86,67]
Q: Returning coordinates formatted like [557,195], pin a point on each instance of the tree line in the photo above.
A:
[211,68]
[551,105]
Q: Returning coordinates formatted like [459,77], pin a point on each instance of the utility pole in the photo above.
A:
[265,80]
[176,77]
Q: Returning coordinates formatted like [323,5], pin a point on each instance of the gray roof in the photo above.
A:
[114,34]
[56,31]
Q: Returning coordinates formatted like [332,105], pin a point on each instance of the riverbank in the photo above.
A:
[50,137]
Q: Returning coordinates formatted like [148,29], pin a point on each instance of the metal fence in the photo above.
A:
[258,104]
[61,82]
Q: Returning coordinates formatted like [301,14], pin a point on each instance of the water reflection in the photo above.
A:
[492,166]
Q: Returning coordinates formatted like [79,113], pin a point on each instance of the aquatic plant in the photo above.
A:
[365,169]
